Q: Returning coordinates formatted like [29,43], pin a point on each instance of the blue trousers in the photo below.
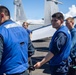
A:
[58,73]
[53,71]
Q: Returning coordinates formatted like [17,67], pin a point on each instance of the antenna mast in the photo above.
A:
[19,12]
[51,7]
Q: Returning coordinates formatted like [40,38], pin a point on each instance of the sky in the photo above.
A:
[34,9]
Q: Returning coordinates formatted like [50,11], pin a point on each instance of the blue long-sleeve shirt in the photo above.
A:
[73,45]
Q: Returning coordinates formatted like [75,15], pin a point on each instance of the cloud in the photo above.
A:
[71,12]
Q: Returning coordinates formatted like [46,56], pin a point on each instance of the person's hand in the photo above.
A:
[37,65]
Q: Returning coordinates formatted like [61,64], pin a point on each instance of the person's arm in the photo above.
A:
[1,48]
[31,49]
[57,45]
[47,58]
[44,60]
[30,35]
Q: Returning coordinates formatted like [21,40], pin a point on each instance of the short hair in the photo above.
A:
[4,10]
[58,15]
[71,19]
[26,23]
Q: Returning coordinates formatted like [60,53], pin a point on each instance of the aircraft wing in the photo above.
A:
[42,32]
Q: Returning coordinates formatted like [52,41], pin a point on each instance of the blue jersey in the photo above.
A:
[60,57]
[29,31]
[73,46]
[15,51]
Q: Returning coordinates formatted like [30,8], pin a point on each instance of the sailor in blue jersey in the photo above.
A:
[14,41]
[70,25]
[32,51]
[25,25]
[59,48]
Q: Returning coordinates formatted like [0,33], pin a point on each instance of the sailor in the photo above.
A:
[14,41]
[59,49]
